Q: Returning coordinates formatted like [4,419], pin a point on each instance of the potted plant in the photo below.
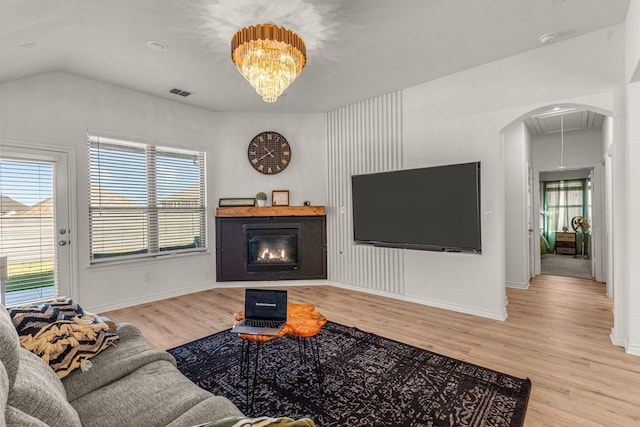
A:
[261,198]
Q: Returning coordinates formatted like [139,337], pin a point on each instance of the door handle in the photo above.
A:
[62,243]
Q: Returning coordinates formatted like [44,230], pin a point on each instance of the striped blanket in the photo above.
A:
[61,333]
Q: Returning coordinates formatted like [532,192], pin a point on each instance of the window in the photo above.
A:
[26,230]
[144,200]
[562,201]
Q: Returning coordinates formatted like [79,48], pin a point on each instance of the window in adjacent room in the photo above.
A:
[144,200]
[563,200]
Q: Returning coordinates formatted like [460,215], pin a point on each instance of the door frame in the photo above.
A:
[43,151]
[597,218]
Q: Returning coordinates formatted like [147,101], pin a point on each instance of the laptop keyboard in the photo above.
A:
[257,323]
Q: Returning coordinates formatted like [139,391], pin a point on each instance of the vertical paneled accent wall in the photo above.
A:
[362,138]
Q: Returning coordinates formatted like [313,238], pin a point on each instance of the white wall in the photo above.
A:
[362,138]
[632,26]
[57,109]
[517,150]
[630,337]
[607,261]
[633,224]
[459,118]
[582,148]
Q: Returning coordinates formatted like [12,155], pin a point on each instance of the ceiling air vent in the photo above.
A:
[180,92]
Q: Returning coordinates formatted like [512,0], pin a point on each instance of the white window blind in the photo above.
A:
[27,230]
[144,200]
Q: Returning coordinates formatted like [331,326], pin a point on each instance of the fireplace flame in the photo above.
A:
[269,254]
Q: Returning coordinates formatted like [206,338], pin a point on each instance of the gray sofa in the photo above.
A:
[128,385]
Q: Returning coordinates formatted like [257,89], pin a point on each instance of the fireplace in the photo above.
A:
[271,248]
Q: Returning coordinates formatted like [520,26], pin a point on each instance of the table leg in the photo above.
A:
[244,359]
[315,355]
[251,385]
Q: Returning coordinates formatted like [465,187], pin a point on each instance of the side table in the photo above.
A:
[303,323]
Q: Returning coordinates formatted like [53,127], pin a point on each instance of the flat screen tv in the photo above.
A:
[433,208]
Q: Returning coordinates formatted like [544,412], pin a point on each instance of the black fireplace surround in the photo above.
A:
[271,248]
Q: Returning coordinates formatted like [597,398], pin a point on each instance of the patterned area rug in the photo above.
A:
[368,381]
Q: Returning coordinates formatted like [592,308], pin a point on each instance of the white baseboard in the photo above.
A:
[515,285]
[205,287]
[284,283]
[149,298]
[616,341]
[633,350]
[437,304]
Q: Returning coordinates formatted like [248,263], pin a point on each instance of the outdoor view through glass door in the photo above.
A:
[34,235]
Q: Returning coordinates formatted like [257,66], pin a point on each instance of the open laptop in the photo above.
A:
[265,312]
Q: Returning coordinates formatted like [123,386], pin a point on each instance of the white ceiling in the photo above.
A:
[564,121]
[356,49]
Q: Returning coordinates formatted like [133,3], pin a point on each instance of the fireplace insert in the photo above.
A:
[272,249]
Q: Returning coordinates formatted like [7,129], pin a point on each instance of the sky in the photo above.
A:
[26,182]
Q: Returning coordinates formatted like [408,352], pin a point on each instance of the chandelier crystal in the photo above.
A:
[269,57]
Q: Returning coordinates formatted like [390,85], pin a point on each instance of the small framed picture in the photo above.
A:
[280,198]
[236,201]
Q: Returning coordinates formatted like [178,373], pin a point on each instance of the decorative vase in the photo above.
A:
[261,202]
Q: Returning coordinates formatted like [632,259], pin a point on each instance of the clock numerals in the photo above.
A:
[269,153]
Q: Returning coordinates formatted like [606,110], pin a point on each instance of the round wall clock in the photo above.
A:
[269,153]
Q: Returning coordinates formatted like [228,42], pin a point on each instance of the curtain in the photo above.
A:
[563,200]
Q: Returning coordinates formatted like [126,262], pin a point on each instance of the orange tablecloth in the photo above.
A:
[302,321]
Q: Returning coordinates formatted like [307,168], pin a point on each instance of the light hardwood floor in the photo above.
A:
[557,334]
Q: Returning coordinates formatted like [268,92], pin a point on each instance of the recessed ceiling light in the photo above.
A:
[157,45]
[547,38]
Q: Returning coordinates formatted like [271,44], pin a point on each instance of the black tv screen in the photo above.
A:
[433,208]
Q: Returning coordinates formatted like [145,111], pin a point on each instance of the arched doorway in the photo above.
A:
[553,143]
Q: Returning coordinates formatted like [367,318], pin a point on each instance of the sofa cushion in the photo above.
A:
[39,393]
[154,395]
[9,350]
[61,333]
[16,417]
[131,352]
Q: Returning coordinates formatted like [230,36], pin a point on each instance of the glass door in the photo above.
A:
[34,226]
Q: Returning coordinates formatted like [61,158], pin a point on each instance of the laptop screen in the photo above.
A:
[265,304]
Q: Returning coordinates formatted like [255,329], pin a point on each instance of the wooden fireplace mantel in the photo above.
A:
[249,211]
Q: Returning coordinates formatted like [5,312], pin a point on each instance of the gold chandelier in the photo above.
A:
[269,57]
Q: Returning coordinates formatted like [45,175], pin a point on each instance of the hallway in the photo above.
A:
[565,265]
